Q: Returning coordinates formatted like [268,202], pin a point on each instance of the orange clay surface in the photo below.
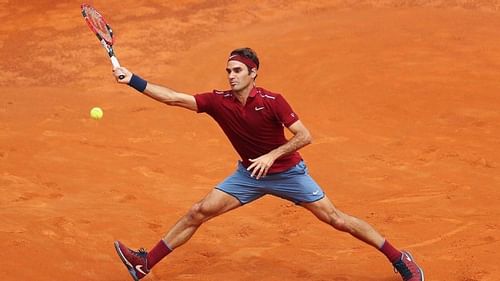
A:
[402,99]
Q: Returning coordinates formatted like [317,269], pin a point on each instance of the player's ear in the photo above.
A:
[253,73]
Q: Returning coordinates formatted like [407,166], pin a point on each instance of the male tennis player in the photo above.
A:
[253,119]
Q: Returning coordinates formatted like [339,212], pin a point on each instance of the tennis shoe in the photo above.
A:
[135,261]
[408,269]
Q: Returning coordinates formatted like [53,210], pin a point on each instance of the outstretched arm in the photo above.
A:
[301,137]
[157,92]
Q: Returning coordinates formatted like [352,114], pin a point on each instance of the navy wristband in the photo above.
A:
[138,83]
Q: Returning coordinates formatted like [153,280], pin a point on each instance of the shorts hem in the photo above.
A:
[307,202]
[230,195]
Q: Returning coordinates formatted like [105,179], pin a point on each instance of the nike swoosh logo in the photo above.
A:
[316,192]
[258,108]
[139,268]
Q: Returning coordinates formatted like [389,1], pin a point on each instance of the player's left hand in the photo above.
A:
[260,166]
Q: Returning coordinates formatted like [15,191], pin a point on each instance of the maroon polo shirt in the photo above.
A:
[255,128]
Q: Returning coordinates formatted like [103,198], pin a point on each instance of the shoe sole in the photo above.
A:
[127,264]
[419,268]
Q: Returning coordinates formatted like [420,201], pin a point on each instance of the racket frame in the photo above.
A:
[106,43]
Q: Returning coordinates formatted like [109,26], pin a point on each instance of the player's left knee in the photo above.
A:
[338,223]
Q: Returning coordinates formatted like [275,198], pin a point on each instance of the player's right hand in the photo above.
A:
[117,72]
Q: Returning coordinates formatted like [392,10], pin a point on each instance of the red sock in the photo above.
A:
[156,254]
[390,252]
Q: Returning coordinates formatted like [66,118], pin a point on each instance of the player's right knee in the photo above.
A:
[198,214]
[195,215]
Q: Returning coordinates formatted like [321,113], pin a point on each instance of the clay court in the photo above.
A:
[402,99]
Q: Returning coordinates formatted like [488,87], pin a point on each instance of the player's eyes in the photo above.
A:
[235,70]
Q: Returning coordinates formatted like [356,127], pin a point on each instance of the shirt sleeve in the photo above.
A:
[284,112]
[204,102]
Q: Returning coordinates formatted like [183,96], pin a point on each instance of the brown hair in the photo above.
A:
[247,53]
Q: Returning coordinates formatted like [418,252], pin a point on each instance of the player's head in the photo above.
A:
[242,66]
[247,56]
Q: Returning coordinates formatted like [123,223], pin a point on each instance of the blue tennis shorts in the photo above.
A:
[294,184]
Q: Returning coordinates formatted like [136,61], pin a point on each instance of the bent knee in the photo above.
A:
[195,215]
[198,213]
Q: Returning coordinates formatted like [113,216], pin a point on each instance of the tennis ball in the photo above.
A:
[96,113]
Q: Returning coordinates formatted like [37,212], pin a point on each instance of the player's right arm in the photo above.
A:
[159,93]
[170,97]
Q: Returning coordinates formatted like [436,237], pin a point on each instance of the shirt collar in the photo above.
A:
[252,94]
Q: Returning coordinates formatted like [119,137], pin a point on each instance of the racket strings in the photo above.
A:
[96,20]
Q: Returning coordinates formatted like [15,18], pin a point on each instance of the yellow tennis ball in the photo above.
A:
[96,113]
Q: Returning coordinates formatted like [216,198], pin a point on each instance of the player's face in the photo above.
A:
[238,76]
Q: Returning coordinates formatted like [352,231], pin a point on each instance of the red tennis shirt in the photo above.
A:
[255,128]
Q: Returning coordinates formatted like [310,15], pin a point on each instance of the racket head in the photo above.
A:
[97,24]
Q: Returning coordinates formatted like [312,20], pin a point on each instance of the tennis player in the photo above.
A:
[253,120]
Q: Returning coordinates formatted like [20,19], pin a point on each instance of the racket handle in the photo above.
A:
[116,64]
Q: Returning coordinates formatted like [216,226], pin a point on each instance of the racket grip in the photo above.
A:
[116,64]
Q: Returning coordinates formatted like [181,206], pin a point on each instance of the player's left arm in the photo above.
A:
[301,137]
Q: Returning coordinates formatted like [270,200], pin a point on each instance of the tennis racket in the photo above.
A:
[102,30]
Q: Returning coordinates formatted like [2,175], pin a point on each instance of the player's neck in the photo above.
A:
[243,94]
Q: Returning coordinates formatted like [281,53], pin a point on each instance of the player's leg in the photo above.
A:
[139,263]
[214,204]
[403,261]
[325,211]
[236,190]
[298,186]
